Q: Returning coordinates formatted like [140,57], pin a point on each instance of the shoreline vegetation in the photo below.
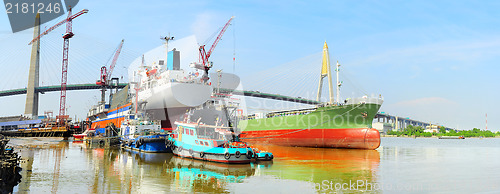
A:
[412,131]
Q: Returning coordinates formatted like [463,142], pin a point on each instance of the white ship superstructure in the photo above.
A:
[165,91]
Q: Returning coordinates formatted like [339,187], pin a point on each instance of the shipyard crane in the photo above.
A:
[106,75]
[205,55]
[64,78]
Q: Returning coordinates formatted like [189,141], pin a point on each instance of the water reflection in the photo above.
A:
[399,165]
[202,176]
[61,166]
[41,160]
[321,169]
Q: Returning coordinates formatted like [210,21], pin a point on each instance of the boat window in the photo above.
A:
[206,143]
[196,141]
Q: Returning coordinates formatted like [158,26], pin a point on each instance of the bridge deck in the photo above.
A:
[44,89]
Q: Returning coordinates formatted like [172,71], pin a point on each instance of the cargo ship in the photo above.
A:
[337,124]
[161,90]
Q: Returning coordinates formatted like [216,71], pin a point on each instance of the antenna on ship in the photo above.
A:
[166,39]
[142,62]
[338,82]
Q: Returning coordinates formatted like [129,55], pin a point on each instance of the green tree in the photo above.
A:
[442,130]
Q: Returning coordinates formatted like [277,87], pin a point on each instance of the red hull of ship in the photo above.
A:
[359,138]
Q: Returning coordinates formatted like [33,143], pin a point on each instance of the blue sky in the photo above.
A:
[435,61]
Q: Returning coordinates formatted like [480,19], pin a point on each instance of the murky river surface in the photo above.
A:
[399,165]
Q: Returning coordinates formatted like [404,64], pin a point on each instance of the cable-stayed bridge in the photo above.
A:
[291,82]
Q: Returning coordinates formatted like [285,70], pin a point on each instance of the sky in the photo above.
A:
[434,61]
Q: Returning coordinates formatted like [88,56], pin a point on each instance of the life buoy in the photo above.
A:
[202,154]
[227,156]
[237,154]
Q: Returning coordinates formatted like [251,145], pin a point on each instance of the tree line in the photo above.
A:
[419,132]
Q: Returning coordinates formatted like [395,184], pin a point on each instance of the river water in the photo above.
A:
[408,165]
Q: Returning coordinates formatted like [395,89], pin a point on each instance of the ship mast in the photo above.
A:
[166,39]
[338,83]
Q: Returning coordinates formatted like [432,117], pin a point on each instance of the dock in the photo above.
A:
[451,137]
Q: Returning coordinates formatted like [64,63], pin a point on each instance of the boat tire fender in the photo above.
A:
[266,157]
[202,154]
[152,140]
[101,143]
[249,154]
[237,154]
[129,143]
[227,155]
[191,152]
[180,149]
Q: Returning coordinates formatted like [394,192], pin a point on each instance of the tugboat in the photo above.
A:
[210,140]
[207,142]
[143,136]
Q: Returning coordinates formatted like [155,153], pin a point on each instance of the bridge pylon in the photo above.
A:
[31,107]
[325,72]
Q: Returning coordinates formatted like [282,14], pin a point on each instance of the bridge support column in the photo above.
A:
[31,107]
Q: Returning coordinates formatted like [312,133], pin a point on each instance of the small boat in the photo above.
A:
[197,141]
[143,136]
[208,132]
[194,140]
[82,136]
[451,137]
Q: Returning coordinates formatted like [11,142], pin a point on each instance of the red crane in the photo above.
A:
[64,79]
[204,55]
[106,75]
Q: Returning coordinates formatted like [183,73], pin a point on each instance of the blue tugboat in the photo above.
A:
[193,140]
[212,142]
[143,136]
